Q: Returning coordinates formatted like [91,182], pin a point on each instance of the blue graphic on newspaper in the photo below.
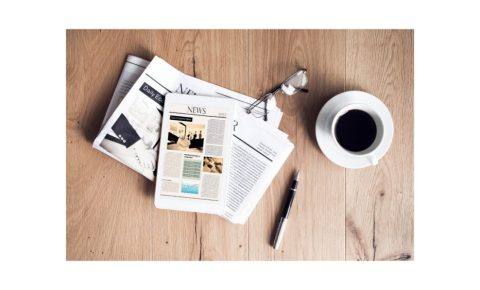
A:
[191,188]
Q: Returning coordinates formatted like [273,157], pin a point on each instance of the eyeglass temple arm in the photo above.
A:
[262,99]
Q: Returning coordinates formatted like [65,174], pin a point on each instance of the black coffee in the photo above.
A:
[355,130]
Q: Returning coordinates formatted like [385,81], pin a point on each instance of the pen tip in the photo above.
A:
[297,175]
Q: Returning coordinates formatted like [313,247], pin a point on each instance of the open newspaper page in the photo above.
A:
[194,153]
[257,156]
[131,134]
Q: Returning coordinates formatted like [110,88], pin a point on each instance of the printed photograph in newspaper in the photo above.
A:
[185,135]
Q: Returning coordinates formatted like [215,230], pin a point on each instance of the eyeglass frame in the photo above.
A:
[272,93]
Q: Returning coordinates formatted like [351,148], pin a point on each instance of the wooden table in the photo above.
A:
[339,214]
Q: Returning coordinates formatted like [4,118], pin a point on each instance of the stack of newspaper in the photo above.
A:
[195,138]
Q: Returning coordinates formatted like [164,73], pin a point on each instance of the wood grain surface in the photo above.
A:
[338,214]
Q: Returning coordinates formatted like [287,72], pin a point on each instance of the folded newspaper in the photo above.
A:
[131,134]
[205,165]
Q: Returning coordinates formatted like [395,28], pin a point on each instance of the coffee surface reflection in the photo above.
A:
[355,130]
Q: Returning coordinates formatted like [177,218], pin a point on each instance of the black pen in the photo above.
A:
[283,220]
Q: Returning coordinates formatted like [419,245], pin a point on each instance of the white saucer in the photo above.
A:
[326,141]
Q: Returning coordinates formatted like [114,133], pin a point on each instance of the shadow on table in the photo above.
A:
[93,120]
[98,107]
[148,188]
[311,110]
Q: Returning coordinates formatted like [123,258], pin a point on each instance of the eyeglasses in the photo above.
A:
[292,85]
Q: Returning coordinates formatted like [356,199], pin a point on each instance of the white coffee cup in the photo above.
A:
[338,106]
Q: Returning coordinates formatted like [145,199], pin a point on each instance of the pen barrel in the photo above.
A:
[291,195]
[279,233]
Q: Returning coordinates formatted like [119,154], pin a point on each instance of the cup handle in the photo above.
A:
[373,160]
